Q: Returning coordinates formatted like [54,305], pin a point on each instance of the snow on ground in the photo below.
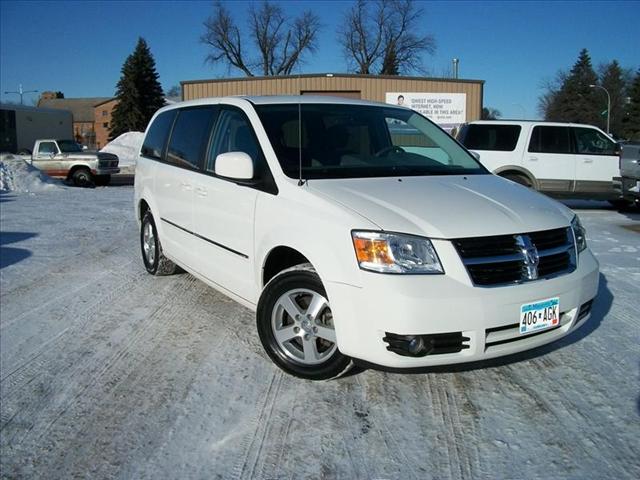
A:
[108,372]
[126,146]
[16,175]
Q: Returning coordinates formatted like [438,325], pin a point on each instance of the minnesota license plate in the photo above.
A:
[539,315]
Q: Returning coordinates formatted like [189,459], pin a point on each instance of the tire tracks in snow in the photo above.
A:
[75,367]
[253,442]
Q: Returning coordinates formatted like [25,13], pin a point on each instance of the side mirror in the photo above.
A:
[475,155]
[236,165]
[617,149]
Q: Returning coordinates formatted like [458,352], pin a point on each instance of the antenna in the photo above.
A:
[300,180]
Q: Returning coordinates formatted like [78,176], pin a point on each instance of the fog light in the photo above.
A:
[416,345]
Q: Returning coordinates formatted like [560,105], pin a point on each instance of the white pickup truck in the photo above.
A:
[66,159]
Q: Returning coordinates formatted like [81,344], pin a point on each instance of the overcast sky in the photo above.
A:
[79,47]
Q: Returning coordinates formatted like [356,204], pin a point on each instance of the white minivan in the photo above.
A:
[357,232]
[560,159]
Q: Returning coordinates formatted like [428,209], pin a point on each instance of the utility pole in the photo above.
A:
[21,93]
[608,104]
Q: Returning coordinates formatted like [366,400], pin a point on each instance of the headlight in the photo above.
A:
[580,233]
[395,253]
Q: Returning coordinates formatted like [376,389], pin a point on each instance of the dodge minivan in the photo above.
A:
[358,232]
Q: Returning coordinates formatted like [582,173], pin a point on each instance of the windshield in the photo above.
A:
[351,141]
[69,146]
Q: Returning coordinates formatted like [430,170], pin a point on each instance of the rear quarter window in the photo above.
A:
[190,135]
[156,138]
[502,138]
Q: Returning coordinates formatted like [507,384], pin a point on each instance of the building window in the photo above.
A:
[104,113]
[105,124]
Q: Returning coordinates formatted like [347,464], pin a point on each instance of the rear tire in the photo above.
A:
[82,178]
[154,260]
[518,178]
[295,325]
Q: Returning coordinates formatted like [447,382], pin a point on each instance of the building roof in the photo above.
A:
[81,108]
[28,108]
[278,100]
[112,99]
[333,75]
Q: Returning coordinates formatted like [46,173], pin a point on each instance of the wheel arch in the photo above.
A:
[280,258]
[143,207]
[518,170]
[77,167]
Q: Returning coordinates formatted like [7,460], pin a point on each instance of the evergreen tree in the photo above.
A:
[612,78]
[575,100]
[138,91]
[631,122]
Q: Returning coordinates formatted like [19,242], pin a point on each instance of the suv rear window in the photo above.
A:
[502,138]
[156,137]
[550,140]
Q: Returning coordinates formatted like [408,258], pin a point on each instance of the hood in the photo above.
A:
[446,206]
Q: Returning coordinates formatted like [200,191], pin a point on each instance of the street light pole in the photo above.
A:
[22,92]
[608,104]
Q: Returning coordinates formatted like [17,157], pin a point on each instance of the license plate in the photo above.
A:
[539,315]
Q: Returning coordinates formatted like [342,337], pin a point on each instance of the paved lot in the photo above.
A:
[108,372]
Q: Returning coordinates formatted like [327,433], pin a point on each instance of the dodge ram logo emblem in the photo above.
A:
[530,254]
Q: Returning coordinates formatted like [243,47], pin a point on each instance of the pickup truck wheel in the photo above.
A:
[154,260]
[295,325]
[518,178]
[82,178]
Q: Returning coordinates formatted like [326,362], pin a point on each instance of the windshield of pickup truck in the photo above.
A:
[352,141]
[69,146]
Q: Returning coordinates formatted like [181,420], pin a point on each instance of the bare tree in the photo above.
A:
[279,42]
[489,113]
[382,36]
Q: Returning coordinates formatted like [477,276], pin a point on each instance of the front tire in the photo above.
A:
[295,325]
[154,260]
[82,178]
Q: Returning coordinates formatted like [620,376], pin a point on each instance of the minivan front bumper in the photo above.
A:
[390,307]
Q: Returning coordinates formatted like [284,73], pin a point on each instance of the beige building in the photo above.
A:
[417,92]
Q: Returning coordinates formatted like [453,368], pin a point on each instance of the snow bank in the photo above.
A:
[126,147]
[16,175]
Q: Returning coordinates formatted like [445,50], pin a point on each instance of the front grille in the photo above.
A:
[507,259]
[511,333]
[106,159]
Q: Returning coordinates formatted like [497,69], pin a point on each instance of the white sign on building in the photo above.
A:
[448,110]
